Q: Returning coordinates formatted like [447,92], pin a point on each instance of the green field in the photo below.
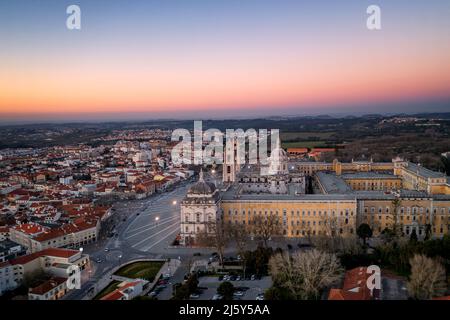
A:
[109,288]
[143,270]
[305,135]
[304,144]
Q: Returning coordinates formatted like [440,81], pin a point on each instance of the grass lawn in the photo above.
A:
[108,289]
[143,270]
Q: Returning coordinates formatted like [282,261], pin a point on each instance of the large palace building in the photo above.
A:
[319,198]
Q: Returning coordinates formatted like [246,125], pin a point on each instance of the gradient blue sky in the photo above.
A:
[183,58]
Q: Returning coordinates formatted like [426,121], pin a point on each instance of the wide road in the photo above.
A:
[156,223]
[138,235]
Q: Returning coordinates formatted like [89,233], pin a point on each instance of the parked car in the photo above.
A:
[194,296]
[260,297]
[106,249]
[153,294]
[217,297]
[98,260]
[253,277]
[220,278]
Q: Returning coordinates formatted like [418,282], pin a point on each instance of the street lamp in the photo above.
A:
[174,202]
[156,220]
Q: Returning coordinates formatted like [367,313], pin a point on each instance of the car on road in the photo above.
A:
[106,249]
[157,290]
[238,293]
[194,296]
[153,294]
[217,297]
[238,278]
[98,260]
[253,277]
[260,297]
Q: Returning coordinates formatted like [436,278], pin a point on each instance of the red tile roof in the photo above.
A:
[115,295]
[355,287]
[47,285]
[52,252]
[66,229]
[30,228]
[442,298]
[118,293]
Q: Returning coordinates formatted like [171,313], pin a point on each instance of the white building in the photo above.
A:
[66,180]
[37,238]
[199,209]
[53,261]
[127,290]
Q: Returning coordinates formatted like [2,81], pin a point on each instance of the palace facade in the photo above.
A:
[319,198]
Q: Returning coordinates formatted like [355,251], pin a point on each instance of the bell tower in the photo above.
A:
[230,166]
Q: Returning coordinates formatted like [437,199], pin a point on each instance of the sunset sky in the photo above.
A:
[221,58]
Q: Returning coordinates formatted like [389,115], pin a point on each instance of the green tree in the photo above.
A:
[192,283]
[427,231]
[364,232]
[278,293]
[226,289]
[181,292]
[413,237]
[445,165]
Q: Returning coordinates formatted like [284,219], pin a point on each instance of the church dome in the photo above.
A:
[202,187]
[278,160]
[279,154]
